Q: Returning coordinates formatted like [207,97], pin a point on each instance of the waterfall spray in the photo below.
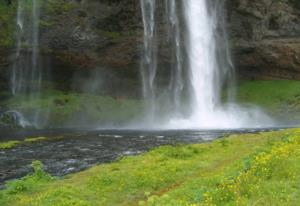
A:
[208,66]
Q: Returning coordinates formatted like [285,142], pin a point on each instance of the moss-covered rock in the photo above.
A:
[7,24]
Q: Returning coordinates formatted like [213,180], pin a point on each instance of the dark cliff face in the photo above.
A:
[265,38]
[82,37]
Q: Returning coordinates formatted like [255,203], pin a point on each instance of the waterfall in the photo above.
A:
[152,91]
[206,75]
[149,61]
[176,82]
[16,73]
[26,77]
[203,54]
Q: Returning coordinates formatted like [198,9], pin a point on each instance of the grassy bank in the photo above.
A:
[250,169]
[280,98]
[62,108]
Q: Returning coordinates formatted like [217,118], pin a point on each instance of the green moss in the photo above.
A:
[14,143]
[112,35]
[9,144]
[35,139]
[7,24]
[58,7]
[180,175]
[45,24]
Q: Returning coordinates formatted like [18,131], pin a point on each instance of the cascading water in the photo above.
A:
[176,82]
[207,76]
[149,63]
[167,96]
[208,65]
[26,77]
[202,60]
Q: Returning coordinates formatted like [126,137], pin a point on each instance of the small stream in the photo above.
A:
[68,151]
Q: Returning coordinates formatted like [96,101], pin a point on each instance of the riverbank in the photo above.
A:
[278,98]
[241,169]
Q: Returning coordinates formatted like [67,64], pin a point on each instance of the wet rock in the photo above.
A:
[265,38]
[82,38]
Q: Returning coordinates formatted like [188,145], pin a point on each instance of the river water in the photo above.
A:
[69,151]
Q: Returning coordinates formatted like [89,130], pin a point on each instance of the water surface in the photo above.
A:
[69,151]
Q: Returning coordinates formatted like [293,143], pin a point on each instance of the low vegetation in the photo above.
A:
[280,98]
[7,24]
[35,139]
[9,144]
[62,108]
[249,169]
[14,143]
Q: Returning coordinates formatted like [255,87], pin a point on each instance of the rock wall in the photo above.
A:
[4,69]
[88,37]
[265,38]
[82,37]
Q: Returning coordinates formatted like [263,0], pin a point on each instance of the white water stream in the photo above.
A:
[26,77]
[209,69]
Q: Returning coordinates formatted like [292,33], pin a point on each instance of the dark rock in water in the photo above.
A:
[13,119]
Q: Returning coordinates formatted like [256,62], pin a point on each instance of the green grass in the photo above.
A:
[14,143]
[250,169]
[61,108]
[9,144]
[278,97]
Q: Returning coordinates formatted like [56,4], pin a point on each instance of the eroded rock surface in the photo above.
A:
[265,38]
[83,38]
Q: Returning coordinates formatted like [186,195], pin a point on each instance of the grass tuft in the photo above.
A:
[9,144]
